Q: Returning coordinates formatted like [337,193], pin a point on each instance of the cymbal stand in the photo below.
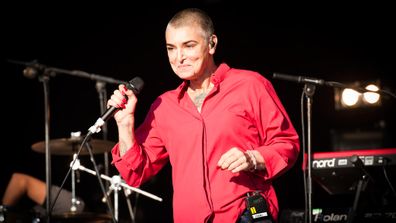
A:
[116,184]
[128,192]
[72,165]
[74,201]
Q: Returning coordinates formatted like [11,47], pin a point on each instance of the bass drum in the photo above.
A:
[11,215]
[84,217]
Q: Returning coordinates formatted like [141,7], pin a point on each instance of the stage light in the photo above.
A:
[349,97]
[371,97]
[354,97]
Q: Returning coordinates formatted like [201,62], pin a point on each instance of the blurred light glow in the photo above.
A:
[357,95]
[371,97]
[350,97]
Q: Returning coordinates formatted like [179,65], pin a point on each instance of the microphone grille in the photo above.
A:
[136,85]
[30,72]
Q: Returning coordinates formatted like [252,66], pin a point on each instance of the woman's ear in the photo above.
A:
[213,42]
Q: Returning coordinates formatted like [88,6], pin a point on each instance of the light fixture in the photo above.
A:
[371,97]
[358,95]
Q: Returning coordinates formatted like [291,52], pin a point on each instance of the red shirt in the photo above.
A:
[243,111]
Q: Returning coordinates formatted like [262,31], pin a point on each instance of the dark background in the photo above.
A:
[331,42]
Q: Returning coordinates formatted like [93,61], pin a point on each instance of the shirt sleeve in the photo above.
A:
[279,140]
[146,157]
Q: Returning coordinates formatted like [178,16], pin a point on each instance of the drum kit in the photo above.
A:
[70,147]
[75,146]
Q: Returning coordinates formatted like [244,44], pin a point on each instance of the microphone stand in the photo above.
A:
[35,67]
[31,71]
[98,174]
[309,91]
[44,76]
[101,89]
[45,79]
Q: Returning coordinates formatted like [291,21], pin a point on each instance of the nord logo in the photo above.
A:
[323,163]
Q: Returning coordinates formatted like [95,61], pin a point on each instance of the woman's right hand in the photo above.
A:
[124,99]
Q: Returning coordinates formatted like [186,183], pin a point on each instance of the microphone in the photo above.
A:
[298,79]
[30,72]
[34,69]
[136,85]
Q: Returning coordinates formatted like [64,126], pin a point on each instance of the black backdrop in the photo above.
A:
[335,43]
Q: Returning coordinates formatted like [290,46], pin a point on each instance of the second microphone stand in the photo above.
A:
[309,91]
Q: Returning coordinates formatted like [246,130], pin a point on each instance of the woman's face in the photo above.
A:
[188,51]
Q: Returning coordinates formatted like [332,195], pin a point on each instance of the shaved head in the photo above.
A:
[193,16]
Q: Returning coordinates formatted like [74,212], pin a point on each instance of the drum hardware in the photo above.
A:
[116,185]
[69,146]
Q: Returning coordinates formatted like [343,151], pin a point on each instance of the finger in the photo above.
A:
[125,91]
[120,93]
[226,159]
[122,88]
[111,103]
[222,159]
[237,162]
[117,100]
[229,161]
[241,167]
[224,163]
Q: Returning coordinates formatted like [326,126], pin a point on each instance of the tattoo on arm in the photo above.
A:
[122,148]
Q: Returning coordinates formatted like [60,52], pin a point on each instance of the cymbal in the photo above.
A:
[69,146]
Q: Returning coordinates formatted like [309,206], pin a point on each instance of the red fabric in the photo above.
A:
[243,111]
